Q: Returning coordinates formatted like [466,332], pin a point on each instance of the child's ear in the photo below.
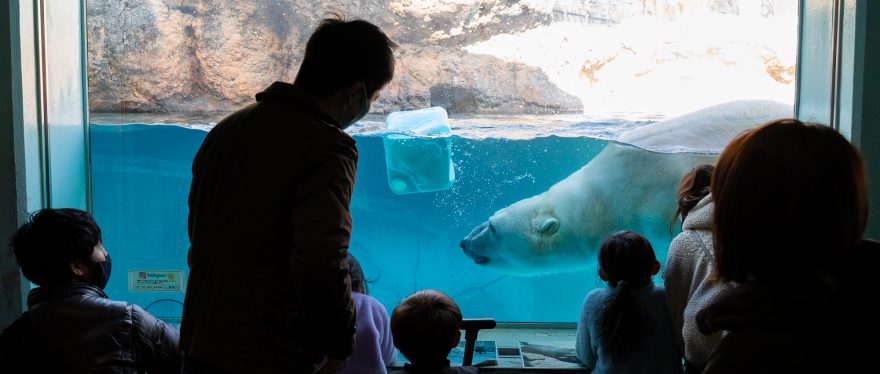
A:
[603,275]
[456,340]
[656,268]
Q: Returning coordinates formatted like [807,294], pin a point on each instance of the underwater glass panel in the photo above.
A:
[534,90]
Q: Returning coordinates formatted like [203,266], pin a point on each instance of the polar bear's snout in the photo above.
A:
[475,242]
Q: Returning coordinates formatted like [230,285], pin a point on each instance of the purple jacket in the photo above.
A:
[374,349]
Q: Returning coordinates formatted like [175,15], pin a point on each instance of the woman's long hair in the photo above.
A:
[694,186]
[791,203]
[627,259]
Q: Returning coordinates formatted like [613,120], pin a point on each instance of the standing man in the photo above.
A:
[269,219]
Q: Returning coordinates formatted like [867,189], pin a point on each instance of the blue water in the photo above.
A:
[141,177]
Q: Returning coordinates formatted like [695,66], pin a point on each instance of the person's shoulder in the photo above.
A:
[143,320]
[657,295]
[367,300]
[601,292]
[108,306]
[368,307]
[325,136]
[597,297]
[241,117]
[683,246]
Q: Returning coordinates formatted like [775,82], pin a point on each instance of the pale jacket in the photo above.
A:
[688,290]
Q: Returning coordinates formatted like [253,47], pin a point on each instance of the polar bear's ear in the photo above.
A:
[548,226]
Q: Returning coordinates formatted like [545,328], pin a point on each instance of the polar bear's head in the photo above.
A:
[529,237]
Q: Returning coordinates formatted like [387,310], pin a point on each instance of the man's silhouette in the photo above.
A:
[269,220]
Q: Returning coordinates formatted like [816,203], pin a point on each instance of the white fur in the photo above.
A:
[629,185]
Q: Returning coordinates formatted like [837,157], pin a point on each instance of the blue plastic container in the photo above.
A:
[418,151]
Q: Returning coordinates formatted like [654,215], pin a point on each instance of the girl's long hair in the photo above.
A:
[627,260]
[791,204]
[358,281]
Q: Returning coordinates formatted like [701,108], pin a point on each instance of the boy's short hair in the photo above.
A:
[426,326]
[45,246]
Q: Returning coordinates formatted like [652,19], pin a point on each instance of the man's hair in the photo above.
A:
[425,326]
[50,240]
[342,52]
[790,203]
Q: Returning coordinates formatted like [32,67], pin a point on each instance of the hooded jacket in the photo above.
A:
[688,289]
[269,228]
[75,328]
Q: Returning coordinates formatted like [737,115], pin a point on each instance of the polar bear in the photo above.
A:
[631,184]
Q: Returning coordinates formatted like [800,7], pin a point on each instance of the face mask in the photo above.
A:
[100,273]
[365,108]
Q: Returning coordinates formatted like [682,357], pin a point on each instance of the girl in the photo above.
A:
[374,349]
[625,327]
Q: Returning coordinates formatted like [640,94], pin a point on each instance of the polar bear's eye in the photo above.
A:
[491,228]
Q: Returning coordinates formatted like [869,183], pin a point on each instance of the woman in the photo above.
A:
[688,265]
[790,210]
[374,348]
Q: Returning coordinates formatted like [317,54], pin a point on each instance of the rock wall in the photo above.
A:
[214,55]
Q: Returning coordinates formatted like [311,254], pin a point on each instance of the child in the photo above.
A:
[426,326]
[71,325]
[374,349]
[625,327]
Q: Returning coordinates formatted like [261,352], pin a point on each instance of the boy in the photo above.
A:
[425,327]
[71,325]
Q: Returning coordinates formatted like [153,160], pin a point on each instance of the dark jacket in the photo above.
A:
[828,326]
[269,227]
[75,328]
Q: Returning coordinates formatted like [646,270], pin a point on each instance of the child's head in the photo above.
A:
[358,282]
[59,246]
[627,256]
[626,262]
[692,188]
[426,326]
